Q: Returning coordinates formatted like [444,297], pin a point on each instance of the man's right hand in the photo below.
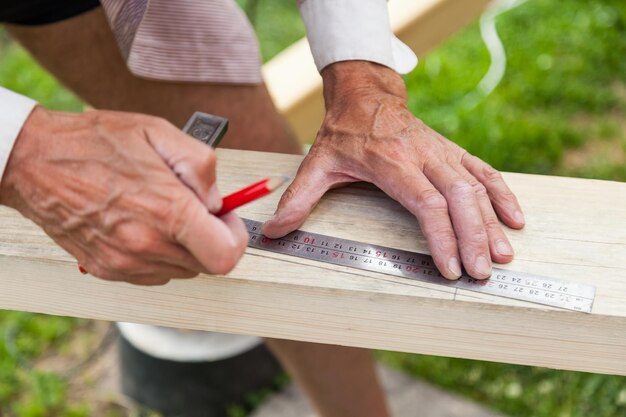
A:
[128,195]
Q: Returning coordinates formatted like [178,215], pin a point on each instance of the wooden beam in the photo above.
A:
[576,232]
[296,86]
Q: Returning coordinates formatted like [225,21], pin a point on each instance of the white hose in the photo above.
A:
[497,53]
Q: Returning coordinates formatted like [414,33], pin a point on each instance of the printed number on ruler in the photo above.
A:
[418,266]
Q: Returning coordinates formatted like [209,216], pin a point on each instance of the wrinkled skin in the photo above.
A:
[369,134]
[128,195]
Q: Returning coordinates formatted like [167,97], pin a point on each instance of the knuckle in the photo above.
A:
[140,245]
[477,237]
[289,193]
[137,242]
[491,222]
[508,196]
[430,199]
[291,209]
[479,189]
[177,217]
[163,212]
[504,198]
[491,174]
[444,241]
[460,188]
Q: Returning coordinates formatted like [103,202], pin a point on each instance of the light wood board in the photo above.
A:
[296,86]
[576,232]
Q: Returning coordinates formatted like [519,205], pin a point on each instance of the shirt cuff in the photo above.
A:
[342,30]
[14,110]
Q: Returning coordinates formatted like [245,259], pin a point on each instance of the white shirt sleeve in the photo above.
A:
[14,110]
[342,30]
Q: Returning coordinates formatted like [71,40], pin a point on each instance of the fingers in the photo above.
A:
[431,210]
[466,216]
[298,200]
[149,245]
[124,268]
[217,243]
[499,245]
[117,266]
[191,160]
[503,200]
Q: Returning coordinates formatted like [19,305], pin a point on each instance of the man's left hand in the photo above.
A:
[369,135]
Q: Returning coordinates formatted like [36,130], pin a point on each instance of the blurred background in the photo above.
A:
[559,109]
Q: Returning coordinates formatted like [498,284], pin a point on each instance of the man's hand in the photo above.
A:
[128,195]
[370,135]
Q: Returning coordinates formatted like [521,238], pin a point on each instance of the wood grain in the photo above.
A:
[576,231]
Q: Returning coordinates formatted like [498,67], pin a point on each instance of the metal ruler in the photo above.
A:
[420,267]
[417,266]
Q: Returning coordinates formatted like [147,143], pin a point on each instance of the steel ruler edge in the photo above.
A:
[418,266]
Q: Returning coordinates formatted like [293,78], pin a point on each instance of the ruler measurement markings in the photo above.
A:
[420,267]
[500,276]
[415,283]
[349,261]
[352,253]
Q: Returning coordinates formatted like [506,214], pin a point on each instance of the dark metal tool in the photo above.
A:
[206,128]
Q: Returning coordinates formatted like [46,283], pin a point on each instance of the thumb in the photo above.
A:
[298,200]
[192,161]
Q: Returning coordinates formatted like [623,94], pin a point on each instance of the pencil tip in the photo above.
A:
[277,181]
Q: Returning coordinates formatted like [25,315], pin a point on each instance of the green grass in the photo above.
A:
[564,89]
[520,391]
[565,59]
[24,391]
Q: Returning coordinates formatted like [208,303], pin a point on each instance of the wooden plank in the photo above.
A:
[296,86]
[576,232]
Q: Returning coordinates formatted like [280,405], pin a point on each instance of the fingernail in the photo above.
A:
[82,269]
[519,217]
[483,266]
[455,267]
[214,200]
[504,248]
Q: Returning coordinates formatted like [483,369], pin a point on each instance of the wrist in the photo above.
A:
[359,80]
[23,149]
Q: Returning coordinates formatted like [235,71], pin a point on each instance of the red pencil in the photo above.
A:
[251,193]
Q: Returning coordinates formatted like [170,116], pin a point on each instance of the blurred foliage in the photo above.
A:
[520,391]
[24,391]
[565,59]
